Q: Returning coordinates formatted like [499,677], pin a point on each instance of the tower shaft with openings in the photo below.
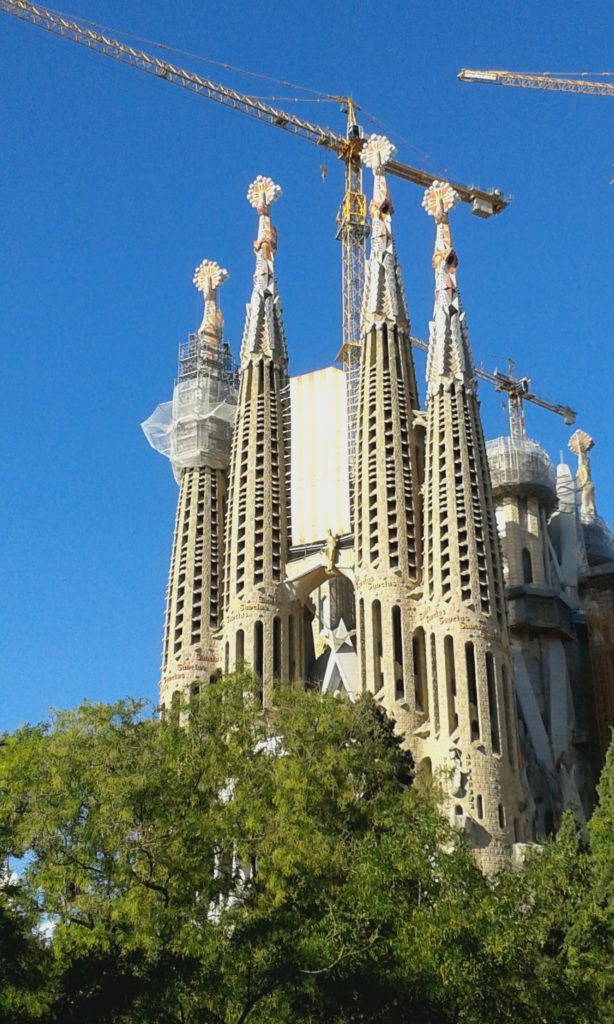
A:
[387,530]
[256,620]
[474,725]
[194,430]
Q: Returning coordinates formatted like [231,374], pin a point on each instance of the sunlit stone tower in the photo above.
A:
[387,527]
[256,625]
[194,431]
[474,725]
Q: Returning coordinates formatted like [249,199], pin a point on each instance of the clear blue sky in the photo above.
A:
[116,185]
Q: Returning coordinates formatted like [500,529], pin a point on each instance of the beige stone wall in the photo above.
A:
[472,736]
[194,593]
[255,619]
[522,525]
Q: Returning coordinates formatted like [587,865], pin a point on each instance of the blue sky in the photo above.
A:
[117,185]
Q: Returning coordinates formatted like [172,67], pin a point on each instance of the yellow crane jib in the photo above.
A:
[553,83]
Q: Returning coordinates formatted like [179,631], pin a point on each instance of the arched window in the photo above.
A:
[397,646]
[258,648]
[239,649]
[492,703]
[448,649]
[363,647]
[527,567]
[420,683]
[472,691]
[376,625]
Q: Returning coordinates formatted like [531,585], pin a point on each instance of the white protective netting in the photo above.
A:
[519,464]
[195,428]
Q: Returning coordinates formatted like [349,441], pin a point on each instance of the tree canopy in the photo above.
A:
[275,866]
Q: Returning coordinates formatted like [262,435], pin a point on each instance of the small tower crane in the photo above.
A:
[518,391]
[351,218]
[546,80]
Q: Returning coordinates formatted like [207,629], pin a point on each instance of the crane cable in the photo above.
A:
[98,27]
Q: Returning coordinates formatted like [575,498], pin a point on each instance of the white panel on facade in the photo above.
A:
[320,493]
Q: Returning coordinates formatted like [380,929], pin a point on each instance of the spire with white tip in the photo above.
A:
[449,354]
[384,298]
[263,334]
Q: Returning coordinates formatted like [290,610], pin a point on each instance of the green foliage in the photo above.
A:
[25,965]
[139,839]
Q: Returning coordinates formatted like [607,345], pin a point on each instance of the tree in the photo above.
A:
[25,966]
[270,866]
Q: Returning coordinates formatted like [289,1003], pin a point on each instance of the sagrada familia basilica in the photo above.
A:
[468,585]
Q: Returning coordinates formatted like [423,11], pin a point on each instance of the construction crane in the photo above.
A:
[352,229]
[518,391]
[545,80]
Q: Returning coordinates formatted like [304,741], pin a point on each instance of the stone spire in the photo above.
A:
[263,334]
[449,354]
[198,439]
[384,298]
[387,528]
[474,723]
[256,621]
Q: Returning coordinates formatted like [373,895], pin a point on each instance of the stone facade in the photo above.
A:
[417,604]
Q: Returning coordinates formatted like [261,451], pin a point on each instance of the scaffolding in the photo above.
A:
[195,427]
[521,467]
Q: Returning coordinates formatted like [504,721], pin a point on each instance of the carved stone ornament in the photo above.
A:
[330,552]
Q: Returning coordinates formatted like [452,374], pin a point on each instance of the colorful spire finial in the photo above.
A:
[580,443]
[376,154]
[438,199]
[261,194]
[208,277]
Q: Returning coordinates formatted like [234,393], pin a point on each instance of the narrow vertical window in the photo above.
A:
[527,567]
[397,645]
[376,623]
[448,649]
[258,648]
[292,656]
[479,803]
[492,703]
[276,647]
[420,684]
[363,646]
[472,691]
[239,649]
[434,690]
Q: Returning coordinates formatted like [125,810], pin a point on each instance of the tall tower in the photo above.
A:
[194,431]
[257,627]
[474,714]
[387,529]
